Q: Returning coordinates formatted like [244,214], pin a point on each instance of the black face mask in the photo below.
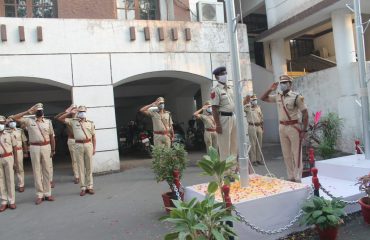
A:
[39,113]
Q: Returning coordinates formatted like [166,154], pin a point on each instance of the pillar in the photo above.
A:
[278,58]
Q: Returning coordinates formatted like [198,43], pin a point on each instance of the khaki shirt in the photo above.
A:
[80,128]
[223,97]
[19,136]
[292,105]
[161,122]
[33,127]
[8,142]
[254,114]
[208,121]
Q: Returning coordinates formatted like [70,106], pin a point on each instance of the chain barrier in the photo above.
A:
[332,196]
[176,192]
[272,232]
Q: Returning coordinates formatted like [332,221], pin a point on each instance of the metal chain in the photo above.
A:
[176,192]
[332,196]
[279,230]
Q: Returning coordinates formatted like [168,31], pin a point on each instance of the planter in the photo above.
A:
[328,233]
[365,207]
[167,199]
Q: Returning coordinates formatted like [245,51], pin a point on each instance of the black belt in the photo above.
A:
[228,114]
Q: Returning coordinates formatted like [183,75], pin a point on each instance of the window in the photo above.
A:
[138,9]
[43,9]
[15,8]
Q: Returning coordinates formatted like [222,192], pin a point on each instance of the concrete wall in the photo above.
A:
[326,41]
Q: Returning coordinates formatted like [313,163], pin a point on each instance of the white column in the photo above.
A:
[267,52]
[278,58]
[345,55]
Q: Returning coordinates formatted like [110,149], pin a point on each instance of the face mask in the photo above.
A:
[39,113]
[222,79]
[254,102]
[2,127]
[209,110]
[81,115]
[161,106]
[12,124]
[283,87]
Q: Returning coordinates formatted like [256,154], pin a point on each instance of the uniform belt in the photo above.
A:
[255,124]
[290,122]
[71,138]
[210,130]
[228,114]
[40,143]
[83,141]
[161,132]
[6,155]
[18,148]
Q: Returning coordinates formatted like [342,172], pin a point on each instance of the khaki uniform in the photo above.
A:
[72,151]
[255,131]
[20,138]
[7,188]
[289,130]
[40,149]
[162,127]
[223,97]
[83,131]
[210,134]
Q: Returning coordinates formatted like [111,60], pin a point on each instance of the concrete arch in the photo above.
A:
[50,82]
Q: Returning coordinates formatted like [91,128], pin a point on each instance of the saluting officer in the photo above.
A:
[85,147]
[210,135]
[7,162]
[255,128]
[162,122]
[223,107]
[291,129]
[42,149]
[21,139]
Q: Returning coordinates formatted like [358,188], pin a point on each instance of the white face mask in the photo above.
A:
[2,127]
[283,87]
[254,102]
[161,106]
[12,124]
[222,79]
[81,115]
[209,110]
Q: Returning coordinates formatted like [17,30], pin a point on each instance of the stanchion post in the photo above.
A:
[315,182]
[176,181]
[228,203]
[357,147]
[312,158]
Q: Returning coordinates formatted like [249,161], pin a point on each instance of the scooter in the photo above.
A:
[179,134]
[144,142]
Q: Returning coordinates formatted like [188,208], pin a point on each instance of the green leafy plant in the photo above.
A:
[331,131]
[364,184]
[166,160]
[221,170]
[323,213]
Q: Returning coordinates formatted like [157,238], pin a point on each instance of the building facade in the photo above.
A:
[113,57]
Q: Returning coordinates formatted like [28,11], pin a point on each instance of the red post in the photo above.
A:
[226,191]
[176,181]
[311,156]
[315,181]
[357,147]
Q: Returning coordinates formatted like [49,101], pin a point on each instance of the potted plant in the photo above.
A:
[165,162]
[326,215]
[364,185]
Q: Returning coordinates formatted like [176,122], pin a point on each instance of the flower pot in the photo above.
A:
[328,233]
[365,207]
[167,199]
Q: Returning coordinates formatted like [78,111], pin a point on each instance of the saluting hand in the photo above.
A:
[274,86]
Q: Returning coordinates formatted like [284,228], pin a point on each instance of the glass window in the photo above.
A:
[148,9]
[126,9]
[15,8]
[138,9]
[44,9]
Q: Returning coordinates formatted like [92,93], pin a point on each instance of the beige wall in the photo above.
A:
[93,9]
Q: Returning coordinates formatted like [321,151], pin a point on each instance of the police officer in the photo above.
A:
[71,144]
[255,128]
[162,122]
[85,145]
[210,135]
[21,139]
[222,100]
[291,129]
[8,156]
[42,149]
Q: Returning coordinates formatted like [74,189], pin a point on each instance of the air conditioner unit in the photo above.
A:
[210,11]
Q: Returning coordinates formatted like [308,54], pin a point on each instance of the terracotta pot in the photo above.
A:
[167,199]
[365,207]
[328,233]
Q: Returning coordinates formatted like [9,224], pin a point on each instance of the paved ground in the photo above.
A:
[126,206]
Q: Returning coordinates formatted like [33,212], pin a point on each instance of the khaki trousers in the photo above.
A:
[7,188]
[72,151]
[84,153]
[20,174]
[210,139]
[292,152]
[255,134]
[40,158]
[162,140]
[227,141]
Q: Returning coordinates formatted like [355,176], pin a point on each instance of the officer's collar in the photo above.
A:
[222,85]
[41,119]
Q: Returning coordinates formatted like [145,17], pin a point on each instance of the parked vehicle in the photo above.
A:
[145,140]
[179,134]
